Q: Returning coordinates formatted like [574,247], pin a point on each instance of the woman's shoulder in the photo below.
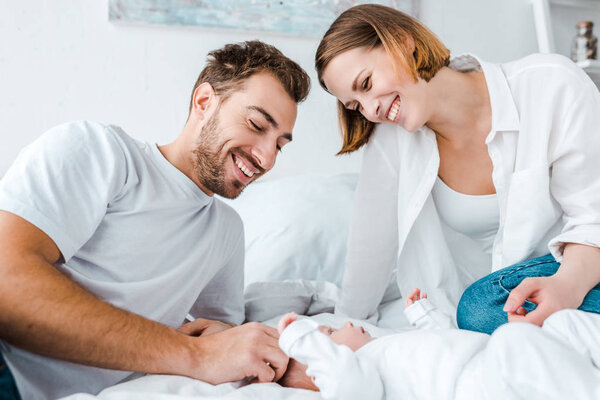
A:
[543,66]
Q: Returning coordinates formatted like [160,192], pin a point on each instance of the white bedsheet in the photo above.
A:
[265,302]
[167,387]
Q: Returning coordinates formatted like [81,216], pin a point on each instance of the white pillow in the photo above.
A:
[297,227]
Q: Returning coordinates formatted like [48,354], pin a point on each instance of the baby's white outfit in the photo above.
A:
[558,361]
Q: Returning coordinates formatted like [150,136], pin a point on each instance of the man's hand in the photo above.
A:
[414,296]
[203,327]
[249,350]
[285,321]
[550,293]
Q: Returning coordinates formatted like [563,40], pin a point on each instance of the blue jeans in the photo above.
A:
[480,307]
[8,389]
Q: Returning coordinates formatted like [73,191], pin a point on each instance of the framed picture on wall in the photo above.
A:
[296,17]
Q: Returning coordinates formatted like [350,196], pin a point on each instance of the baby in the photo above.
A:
[558,361]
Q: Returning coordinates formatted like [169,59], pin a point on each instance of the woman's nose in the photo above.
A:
[371,109]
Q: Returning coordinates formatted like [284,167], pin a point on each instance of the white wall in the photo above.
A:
[62,60]
[495,30]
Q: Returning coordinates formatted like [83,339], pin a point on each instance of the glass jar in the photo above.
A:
[585,45]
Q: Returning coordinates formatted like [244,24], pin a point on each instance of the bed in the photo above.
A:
[296,229]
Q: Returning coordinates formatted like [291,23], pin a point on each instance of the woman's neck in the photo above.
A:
[461,106]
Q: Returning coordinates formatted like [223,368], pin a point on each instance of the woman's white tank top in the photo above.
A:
[476,216]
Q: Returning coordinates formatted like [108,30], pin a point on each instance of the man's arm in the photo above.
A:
[44,312]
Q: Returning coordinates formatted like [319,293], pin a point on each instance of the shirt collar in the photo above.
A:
[505,116]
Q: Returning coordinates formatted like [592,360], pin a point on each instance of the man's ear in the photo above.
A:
[204,99]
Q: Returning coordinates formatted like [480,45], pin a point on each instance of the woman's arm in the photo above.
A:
[373,239]
[575,185]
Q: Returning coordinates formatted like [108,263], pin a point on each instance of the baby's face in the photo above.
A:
[352,336]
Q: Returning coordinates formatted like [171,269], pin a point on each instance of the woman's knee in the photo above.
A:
[477,309]
[481,305]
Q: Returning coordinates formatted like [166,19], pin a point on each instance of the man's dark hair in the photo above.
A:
[227,69]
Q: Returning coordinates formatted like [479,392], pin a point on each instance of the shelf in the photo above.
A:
[592,67]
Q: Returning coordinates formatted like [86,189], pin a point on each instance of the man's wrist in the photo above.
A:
[182,357]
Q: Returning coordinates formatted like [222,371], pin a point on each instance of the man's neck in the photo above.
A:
[177,153]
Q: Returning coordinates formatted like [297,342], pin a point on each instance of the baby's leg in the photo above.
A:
[578,329]
[522,361]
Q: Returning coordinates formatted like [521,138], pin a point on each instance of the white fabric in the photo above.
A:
[477,217]
[297,227]
[519,361]
[133,230]
[335,368]
[545,149]
[411,365]
[424,315]
[548,363]
[265,303]
[265,300]
[168,387]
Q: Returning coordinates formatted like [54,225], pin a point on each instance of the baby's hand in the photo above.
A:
[285,321]
[415,296]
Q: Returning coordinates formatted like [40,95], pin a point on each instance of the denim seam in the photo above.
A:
[501,277]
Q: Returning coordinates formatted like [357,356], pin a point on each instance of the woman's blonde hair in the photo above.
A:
[411,45]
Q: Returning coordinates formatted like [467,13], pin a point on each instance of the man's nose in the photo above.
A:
[265,152]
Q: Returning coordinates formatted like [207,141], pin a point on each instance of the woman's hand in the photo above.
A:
[577,275]
[203,327]
[551,294]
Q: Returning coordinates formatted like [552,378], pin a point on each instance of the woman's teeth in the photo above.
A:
[394,109]
[244,169]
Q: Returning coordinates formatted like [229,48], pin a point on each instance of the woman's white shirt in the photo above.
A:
[545,148]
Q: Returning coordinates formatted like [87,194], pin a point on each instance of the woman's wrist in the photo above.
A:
[580,268]
[576,287]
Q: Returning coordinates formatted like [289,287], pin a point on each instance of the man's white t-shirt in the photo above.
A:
[132,229]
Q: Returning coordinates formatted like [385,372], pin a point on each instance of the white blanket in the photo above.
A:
[265,302]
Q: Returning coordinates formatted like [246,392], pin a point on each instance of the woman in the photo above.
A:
[470,168]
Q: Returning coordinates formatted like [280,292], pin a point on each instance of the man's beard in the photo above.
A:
[209,165]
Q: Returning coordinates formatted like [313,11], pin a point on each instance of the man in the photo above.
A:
[108,243]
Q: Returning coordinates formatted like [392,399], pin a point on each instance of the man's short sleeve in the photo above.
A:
[63,182]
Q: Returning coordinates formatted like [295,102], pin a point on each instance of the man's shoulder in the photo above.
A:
[89,143]
[84,132]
